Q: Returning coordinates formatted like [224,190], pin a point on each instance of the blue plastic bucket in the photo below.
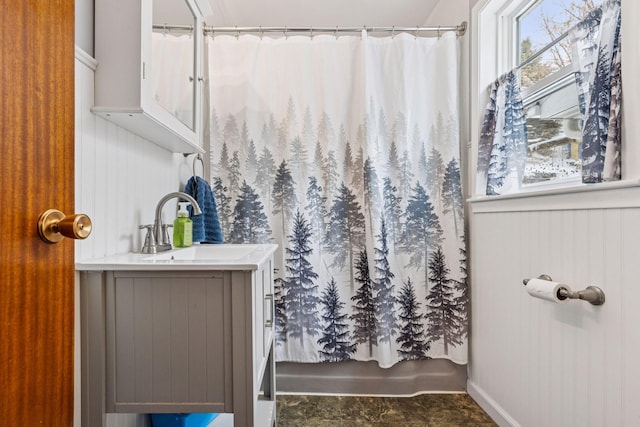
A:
[182,420]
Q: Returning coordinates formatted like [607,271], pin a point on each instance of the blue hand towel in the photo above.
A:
[206,227]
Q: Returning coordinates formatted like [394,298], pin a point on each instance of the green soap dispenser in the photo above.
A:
[182,227]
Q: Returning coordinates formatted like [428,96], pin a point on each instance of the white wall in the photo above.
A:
[119,176]
[84,25]
[535,363]
[449,12]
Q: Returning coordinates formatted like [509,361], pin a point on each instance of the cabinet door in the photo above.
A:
[259,312]
[166,342]
[263,310]
[268,299]
[130,88]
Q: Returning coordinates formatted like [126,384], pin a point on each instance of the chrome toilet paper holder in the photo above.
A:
[592,294]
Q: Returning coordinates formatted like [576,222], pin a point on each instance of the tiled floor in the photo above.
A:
[427,410]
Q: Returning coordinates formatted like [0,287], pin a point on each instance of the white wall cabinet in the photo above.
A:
[179,342]
[125,79]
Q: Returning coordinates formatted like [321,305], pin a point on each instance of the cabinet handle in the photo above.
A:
[269,322]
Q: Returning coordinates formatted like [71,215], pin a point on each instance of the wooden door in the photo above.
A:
[36,172]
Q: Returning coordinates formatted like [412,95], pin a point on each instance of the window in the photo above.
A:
[494,51]
[542,55]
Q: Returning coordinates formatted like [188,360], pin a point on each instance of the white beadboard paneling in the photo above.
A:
[556,262]
[613,341]
[119,176]
[581,333]
[629,299]
[99,192]
[565,376]
[595,272]
[84,144]
[591,354]
[526,247]
[536,363]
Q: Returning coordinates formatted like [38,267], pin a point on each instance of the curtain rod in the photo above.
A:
[542,50]
[460,29]
[168,27]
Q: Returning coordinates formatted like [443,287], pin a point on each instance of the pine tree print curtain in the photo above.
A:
[502,148]
[597,60]
[345,152]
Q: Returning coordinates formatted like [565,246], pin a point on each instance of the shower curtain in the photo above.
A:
[345,152]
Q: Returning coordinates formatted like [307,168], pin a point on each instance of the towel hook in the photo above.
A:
[195,159]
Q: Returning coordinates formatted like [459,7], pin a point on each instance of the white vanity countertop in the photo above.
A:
[194,258]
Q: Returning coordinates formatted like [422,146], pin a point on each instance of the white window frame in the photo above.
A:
[493,51]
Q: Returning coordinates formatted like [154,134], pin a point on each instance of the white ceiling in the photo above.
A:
[329,13]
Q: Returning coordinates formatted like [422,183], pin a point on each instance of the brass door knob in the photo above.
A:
[53,226]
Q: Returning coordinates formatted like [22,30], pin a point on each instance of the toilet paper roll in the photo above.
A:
[545,289]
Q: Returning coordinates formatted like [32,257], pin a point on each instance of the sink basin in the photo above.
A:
[205,253]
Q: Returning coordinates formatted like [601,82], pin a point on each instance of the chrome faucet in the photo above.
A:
[157,239]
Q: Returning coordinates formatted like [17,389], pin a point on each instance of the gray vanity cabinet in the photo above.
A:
[178,341]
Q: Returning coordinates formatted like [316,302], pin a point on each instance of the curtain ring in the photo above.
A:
[261,32]
[393,30]
[438,31]
[165,30]
[336,32]
[237,33]
[364,28]
[311,30]
[285,33]
[417,32]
